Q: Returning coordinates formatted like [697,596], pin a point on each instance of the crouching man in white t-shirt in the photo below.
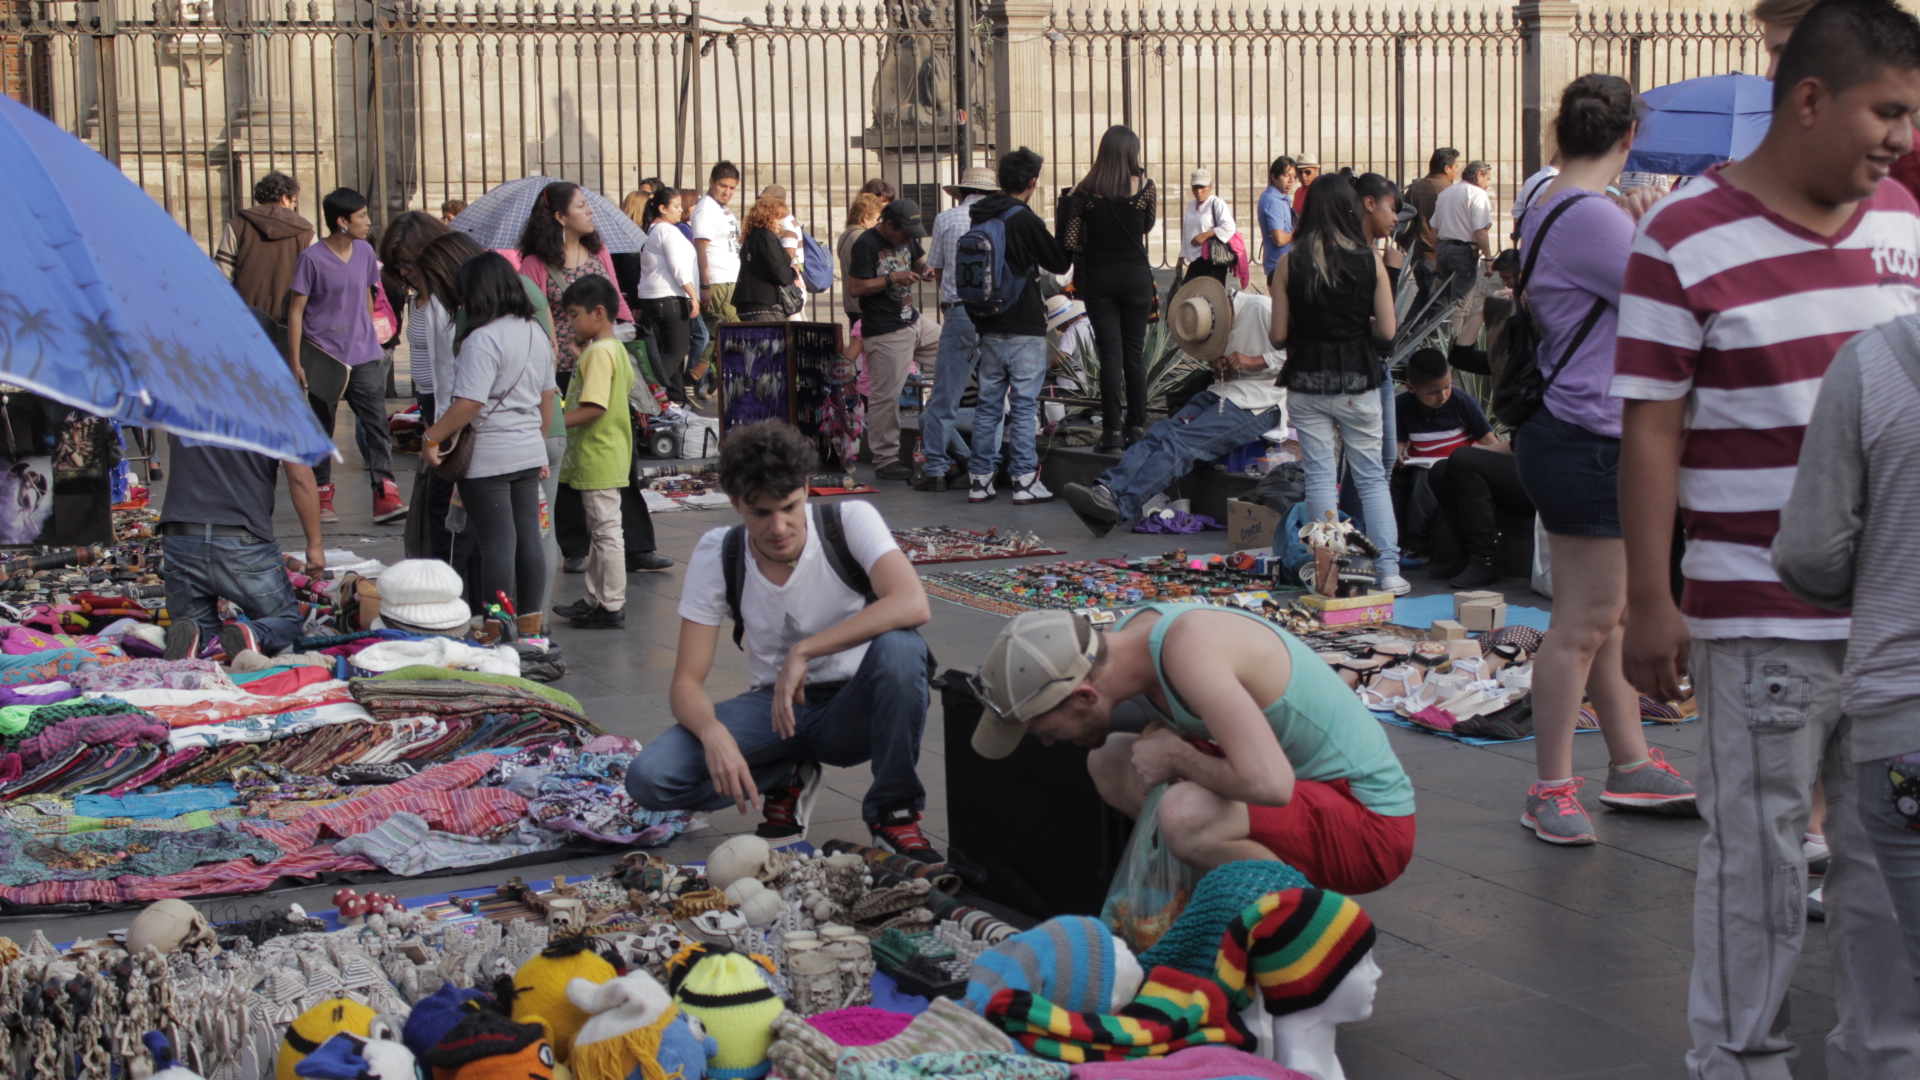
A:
[825,605]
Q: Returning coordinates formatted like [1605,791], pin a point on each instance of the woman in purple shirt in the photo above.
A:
[1569,457]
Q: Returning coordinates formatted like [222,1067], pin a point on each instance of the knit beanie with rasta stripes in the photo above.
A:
[1293,948]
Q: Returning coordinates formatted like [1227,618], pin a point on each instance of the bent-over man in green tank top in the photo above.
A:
[1268,754]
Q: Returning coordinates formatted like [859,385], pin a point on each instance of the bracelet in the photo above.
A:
[431,442]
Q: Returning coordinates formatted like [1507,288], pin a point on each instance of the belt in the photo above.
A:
[199,528]
[1448,240]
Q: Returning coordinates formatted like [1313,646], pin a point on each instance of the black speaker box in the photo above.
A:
[1029,832]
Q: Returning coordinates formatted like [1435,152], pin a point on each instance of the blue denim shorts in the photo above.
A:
[1571,474]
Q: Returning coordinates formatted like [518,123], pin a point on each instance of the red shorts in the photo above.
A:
[1333,838]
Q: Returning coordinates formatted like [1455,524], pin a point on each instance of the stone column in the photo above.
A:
[1021,74]
[1546,68]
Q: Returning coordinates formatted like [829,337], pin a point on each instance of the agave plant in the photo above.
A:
[1167,366]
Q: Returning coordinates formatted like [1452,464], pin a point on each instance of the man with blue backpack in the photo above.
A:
[994,267]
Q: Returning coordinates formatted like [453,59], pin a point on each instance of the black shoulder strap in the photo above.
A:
[733,567]
[833,539]
[1539,238]
[1526,275]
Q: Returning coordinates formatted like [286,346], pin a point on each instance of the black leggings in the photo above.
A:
[504,514]
[672,328]
[1118,312]
[1473,472]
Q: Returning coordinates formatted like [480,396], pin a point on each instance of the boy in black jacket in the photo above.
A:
[1013,344]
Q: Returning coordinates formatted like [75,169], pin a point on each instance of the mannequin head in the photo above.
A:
[1304,1040]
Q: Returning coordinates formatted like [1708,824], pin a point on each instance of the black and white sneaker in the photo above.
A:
[898,831]
[789,807]
[183,640]
[236,638]
[980,489]
[1028,490]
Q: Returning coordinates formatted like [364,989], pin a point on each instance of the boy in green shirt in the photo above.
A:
[599,449]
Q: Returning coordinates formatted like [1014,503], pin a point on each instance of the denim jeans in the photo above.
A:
[247,570]
[1012,367]
[1896,840]
[959,347]
[878,716]
[1457,265]
[1206,428]
[366,397]
[1316,417]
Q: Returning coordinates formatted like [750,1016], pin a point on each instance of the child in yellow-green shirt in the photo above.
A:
[599,448]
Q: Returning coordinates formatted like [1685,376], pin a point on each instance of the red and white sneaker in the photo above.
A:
[238,637]
[386,502]
[898,831]
[789,807]
[327,516]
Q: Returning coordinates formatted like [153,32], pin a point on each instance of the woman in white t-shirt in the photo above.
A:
[1206,217]
[669,288]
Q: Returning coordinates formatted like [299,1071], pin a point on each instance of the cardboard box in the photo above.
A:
[1365,609]
[1250,525]
[1461,599]
[1446,630]
[1482,615]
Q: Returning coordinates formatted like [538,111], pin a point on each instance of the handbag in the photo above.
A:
[1216,250]
[1521,387]
[456,454]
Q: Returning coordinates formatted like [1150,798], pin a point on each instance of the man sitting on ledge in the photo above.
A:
[1241,405]
[826,605]
[1269,754]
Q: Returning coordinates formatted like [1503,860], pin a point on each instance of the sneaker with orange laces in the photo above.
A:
[1651,787]
[898,831]
[327,514]
[789,807]
[1555,814]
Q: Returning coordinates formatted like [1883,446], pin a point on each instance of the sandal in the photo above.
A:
[1431,655]
[1393,685]
[1435,718]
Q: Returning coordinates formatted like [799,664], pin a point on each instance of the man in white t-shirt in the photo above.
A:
[825,605]
[1530,191]
[716,246]
[1463,219]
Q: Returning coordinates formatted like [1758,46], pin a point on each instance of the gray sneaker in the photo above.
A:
[1653,787]
[1556,816]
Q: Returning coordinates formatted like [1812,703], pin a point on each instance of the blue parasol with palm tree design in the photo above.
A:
[107,305]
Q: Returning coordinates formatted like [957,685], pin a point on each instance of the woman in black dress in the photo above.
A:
[1104,221]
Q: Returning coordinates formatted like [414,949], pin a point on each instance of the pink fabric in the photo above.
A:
[444,795]
[219,711]
[862,1026]
[23,640]
[1197,1063]
[535,270]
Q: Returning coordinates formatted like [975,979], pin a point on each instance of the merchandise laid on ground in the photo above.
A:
[946,544]
[848,962]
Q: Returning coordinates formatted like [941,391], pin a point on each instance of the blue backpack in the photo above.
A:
[981,277]
[816,269]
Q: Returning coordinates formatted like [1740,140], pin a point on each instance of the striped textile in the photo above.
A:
[1069,960]
[1739,311]
[1174,1010]
[444,795]
[1293,947]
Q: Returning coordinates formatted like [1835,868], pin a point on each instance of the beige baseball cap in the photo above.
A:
[1200,178]
[1032,666]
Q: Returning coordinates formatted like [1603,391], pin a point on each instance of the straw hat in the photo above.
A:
[1201,316]
[974,181]
[1061,311]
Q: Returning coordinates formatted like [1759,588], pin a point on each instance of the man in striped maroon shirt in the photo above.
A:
[1741,287]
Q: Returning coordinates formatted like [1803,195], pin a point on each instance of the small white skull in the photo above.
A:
[171,926]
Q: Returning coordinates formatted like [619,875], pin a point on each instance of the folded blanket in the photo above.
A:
[1174,1010]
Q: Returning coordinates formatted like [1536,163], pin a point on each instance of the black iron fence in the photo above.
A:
[417,103]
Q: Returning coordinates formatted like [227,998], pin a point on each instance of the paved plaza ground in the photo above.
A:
[1505,958]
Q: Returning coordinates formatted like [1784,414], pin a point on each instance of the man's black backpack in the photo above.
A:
[1522,388]
[833,540]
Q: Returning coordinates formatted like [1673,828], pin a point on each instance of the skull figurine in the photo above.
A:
[171,926]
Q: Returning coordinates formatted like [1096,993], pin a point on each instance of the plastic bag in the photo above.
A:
[1151,888]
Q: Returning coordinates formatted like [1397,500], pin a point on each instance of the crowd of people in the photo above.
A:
[1681,342]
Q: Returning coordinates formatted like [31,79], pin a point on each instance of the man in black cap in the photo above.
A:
[887,262]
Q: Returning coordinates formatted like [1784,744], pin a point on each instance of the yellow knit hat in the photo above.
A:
[626,1018]
[316,1026]
[729,995]
[540,990]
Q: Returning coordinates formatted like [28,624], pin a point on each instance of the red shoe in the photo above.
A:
[789,807]
[386,503]
[236,638]
[898,831]
[327,516]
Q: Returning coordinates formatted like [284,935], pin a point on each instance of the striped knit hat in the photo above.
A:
[1294,947]
[1072,961]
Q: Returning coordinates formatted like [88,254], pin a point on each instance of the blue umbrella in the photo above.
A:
[1698,123]
[106,305]
[497,218]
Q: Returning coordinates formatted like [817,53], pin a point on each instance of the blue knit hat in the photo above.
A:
[1069,960]
[436,1015]
[1192,943]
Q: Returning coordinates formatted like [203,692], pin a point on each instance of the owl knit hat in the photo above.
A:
[1292,948]
[488,1046]
[1072,961]
[727,993]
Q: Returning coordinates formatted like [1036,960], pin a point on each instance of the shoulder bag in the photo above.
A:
[1521,388]
[1217,251]
[456,454]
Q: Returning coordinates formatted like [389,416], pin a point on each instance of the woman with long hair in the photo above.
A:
[862,214]
[558,247]
[766,268]
[1103,222]
[400,248]
[1333,313]
[668,292]
[503,387]
[1569,457]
